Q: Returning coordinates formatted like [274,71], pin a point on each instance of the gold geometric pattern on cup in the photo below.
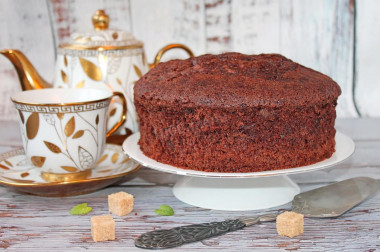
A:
[54,109]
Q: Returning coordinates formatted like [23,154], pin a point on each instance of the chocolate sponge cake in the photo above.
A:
[236,113]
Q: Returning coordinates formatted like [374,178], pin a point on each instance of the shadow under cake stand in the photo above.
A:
[238,191]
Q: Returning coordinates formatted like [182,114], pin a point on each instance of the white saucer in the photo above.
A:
[18,173]
[238,191]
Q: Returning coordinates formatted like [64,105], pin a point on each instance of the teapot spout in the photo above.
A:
[29,78]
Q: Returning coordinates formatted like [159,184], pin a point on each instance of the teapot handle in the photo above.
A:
[123,114]
[167,48]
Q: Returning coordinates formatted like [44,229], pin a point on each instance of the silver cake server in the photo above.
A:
[327,201]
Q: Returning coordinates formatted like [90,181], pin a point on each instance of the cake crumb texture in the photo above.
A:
[236,113]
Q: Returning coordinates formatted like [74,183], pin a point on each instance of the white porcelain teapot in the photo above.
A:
[103,58]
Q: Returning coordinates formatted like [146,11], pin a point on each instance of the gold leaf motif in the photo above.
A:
[137,70]
[115,157]
[4,167]
[92,71]
[60,116]
[78,134]
[85,158]
[38,161]
[125,160]
[32,125]
[70,127]
[69,168]
[108,170]
[104,157]
[52,147]
[8,163]
[118,81]
[65,60]
[115,35]
[24,174]
[143,58]
[97,119]
[64,76]
[80,84]
[112,112]
[21,116]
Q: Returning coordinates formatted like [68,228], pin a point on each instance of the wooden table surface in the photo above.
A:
[34,223]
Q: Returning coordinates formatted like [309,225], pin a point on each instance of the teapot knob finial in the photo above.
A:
[100,20]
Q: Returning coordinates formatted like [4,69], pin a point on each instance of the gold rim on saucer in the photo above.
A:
[66,177]
[16,172]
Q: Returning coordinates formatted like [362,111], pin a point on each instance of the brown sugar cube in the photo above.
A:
[289,224]
[120,203]
[102,228]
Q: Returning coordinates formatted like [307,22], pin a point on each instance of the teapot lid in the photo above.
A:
[102,38]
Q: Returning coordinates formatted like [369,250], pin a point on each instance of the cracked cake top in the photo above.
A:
[234,80]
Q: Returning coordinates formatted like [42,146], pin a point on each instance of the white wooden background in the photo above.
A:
[340,38]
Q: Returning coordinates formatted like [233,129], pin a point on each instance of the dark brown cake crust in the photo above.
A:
[236,113]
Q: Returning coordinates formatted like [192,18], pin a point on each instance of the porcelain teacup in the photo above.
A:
[64,130]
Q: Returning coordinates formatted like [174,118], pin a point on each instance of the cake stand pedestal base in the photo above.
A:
[236,194]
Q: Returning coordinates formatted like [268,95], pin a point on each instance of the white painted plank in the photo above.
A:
[35,223]
[256,26]
[317,34]
[368,57]
[69,16]
[159,23]
[218,25]
[25,26]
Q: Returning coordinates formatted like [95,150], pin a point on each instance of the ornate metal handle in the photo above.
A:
[170,238]
[262,218]
[177,236]
[167,48]
[123,116]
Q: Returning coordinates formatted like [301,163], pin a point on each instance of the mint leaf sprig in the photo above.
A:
[80,209]
[164,210]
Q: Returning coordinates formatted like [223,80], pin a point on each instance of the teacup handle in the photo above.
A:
[123,114]
[167,48]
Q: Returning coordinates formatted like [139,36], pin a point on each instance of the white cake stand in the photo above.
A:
[237,191]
